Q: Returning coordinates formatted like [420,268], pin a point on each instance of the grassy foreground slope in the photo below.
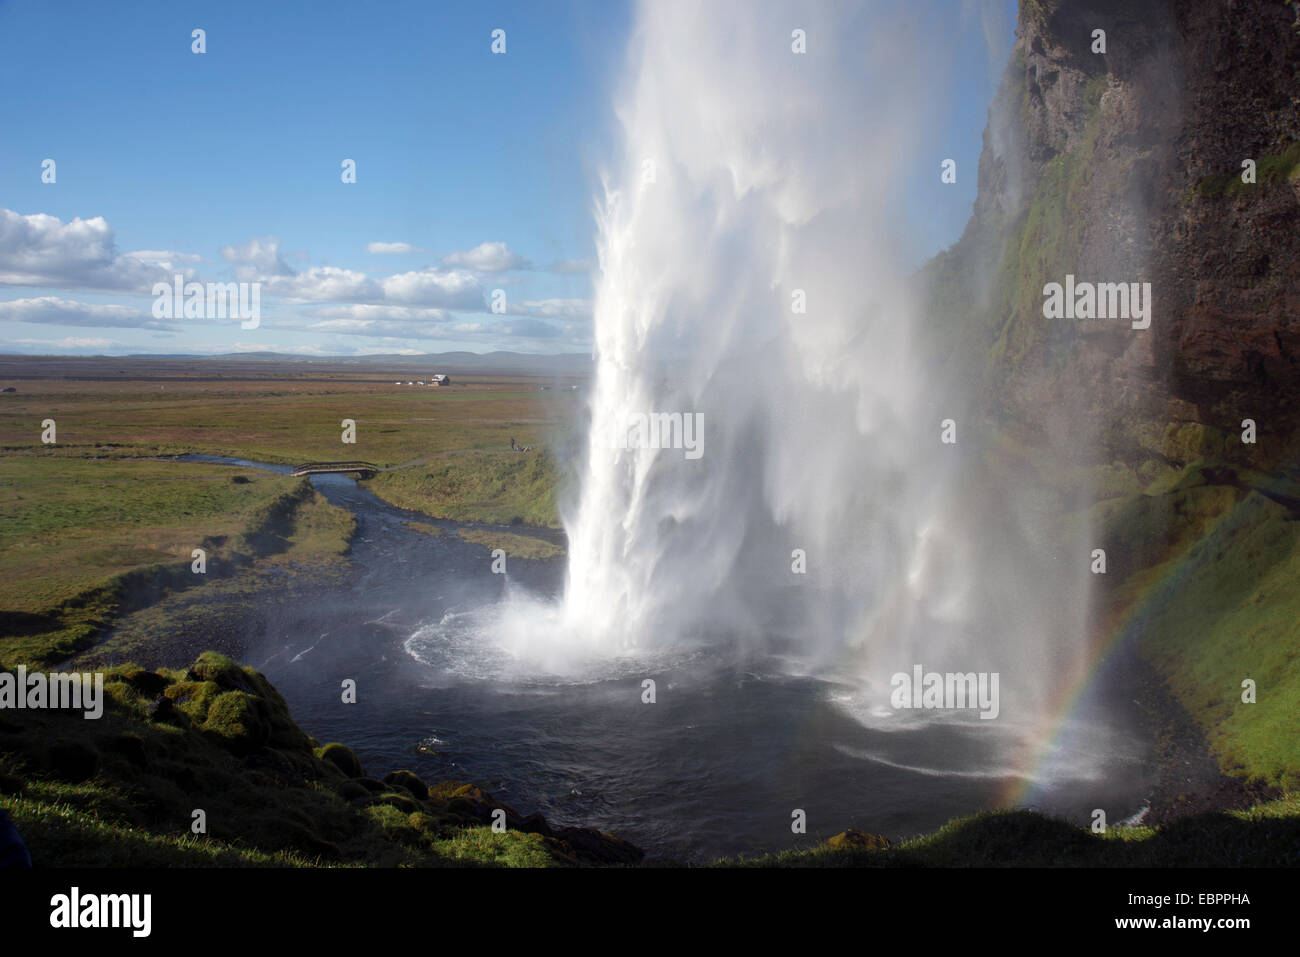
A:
[1216,607]
[125,789]
[1267,834]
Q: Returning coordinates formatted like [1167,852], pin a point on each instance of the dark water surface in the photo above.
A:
[715,767]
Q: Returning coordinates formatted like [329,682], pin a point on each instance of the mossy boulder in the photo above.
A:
[350,790]
[409,780]
[468,802]
[147,684]
[852,840]
[238,721]
[400,801]
[343,758]
[216,667]
[194,698]
[1187,442]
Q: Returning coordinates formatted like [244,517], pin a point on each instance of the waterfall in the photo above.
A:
[765,472]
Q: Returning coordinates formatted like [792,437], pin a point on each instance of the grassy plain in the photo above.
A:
[104,517]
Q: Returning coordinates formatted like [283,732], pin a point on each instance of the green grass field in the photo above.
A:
[283,424]
[79,539]
[99,513]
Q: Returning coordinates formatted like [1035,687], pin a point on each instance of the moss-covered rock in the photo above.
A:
[403,803]
[147,684]
[116,791]
[216,667]
[408,780]
[350,790]
[343,758]
[238,720]
[193,698]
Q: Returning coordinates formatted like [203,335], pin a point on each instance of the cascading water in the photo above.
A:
[751,281]
[750,276]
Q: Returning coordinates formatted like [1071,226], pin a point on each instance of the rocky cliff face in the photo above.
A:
[1126,166]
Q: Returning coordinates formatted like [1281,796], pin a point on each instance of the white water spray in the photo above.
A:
[754,180]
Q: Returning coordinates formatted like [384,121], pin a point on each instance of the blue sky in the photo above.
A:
[227,165]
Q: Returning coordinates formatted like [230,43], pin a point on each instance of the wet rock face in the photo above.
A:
[589,846]
[1126,166]
[1228,253]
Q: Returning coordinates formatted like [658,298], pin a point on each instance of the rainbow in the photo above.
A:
[1122,624]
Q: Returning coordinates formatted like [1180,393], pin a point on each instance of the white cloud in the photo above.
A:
[42,250]
[256,259]
[66,312]
[377,311]
[165,258]
[419,304]
[323,283]
[392,249]
[487,257]
[259,260]
[432,287]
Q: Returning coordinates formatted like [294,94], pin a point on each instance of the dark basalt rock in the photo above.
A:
[163,711]
[536,824]
[590,846]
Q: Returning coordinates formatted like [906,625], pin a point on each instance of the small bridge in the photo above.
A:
[362,469]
